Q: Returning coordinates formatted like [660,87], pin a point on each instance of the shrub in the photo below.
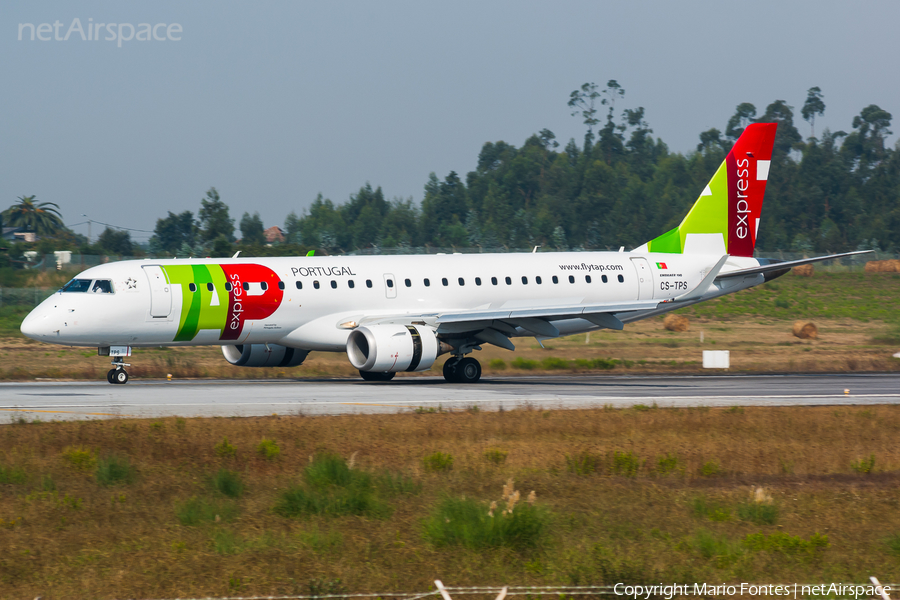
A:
[666,464]
[497,363]
[496,456]
[80,457]
[13,475]
[115,469]
[584,463]
[228,483]
[864,465]
[438,461]
[710,469]
[625,463]
[704,509]
[467,522]
[721,549]
[596,363]
[554,362]
[330,469]
[524,363]
[761,513]
[195,511]
[224,449]
[268,449]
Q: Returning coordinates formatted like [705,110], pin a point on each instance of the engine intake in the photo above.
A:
[264,355]
[392,348]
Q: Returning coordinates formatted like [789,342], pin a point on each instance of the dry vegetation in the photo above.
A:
[141,508]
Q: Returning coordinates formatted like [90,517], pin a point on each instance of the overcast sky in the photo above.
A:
[273,103]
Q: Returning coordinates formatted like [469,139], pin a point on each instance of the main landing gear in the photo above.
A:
[462,370]
[118,374]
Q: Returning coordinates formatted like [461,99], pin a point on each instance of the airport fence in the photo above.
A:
[24,297]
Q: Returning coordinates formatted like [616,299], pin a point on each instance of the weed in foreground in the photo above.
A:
[625,464]
[14,475]
[79,457]
[583,463]
[552,363]
[710,469]
[115,469]
[497,364]
[718,548]
[526,364]
[195,511]
[864,465]
[228,483]
[702,508]
[469,523]
[224,449]
[760,510]
[268,449]
[438,461]
[667,464]
[495,456]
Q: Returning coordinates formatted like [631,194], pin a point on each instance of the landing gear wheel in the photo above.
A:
[376,376]
[450,369]
[119,376]
[109,375]
[468,370]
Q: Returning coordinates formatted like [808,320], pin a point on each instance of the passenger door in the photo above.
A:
[160,292]
[645,281]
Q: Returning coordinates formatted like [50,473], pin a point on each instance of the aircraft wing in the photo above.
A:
[785,265]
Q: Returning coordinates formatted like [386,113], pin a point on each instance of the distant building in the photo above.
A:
[274,234]
[18,234]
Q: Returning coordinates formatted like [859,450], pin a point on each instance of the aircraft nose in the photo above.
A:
[35,324]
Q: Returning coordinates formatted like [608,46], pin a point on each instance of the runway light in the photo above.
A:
[169,377]
[846,391]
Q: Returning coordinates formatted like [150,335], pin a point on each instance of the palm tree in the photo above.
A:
[42,218]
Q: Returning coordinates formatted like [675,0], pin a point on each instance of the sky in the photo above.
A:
[275,102]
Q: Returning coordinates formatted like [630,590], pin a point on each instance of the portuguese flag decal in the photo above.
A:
[661,266]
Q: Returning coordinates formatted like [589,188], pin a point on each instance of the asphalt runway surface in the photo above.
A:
[51,400]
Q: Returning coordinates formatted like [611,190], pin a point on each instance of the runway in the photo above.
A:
[100,400]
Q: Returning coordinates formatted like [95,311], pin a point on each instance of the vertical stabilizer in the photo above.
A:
[725,218]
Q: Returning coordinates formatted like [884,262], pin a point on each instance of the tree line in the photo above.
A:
[620,186]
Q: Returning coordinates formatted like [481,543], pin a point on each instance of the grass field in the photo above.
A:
[287,505]
[858,316]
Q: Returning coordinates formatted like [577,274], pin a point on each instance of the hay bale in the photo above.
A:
[883,266]
[676,322]
[805,330]
[804,270]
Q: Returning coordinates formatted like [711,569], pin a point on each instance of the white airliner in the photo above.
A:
[399,313]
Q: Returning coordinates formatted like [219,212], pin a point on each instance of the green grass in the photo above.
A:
[864,465]
[197,510]
[438,461]
[761,513]
[114,470]
[228,483]
[496,456]
[466,522]
[268,449]
[12,475]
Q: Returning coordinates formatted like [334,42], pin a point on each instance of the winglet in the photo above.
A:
[311,253]
[701,289]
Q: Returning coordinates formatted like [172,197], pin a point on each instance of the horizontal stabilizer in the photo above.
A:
[783,266]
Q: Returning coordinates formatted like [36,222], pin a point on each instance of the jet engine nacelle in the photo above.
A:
[392,348]
[263,355]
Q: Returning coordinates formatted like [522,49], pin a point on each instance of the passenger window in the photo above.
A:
[229,287]
[368,283]
[462,282]
[603,278]
[555,279]
[191,286]
[407,282]
[508,281]
[571,279]
[104,286]
[246,286]
[77,285]
[427,283]
[524,280]
[621,279]
[210,287]
[444,281]
[333,284]
[264,285]
[587,278]
[493,281]
[299,285]
[350,284]
[390,283]
[280,285]
[316,284]
[478,281]
[537,280]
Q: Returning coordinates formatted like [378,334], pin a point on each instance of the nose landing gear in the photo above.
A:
[118,374]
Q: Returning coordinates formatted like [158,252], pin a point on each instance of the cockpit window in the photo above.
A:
[77,285]
[102,286]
